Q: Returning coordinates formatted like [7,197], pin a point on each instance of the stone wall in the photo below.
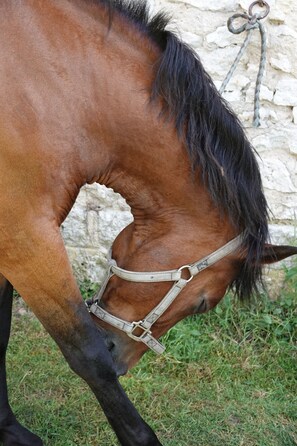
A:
[99,214]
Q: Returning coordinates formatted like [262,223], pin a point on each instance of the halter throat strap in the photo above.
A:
[140,331]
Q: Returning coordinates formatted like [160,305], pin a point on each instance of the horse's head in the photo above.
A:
[182,161]
[155,284]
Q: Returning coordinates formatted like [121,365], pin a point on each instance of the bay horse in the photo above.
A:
[96,91]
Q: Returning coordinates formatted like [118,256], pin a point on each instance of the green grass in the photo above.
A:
[228,378]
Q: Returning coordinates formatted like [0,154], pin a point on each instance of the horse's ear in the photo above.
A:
[274,253]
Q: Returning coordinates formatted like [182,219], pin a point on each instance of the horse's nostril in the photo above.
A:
[111,346]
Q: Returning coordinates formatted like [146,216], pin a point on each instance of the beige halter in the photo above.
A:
[160,276]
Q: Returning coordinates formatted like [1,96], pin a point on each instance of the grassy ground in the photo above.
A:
[228,378]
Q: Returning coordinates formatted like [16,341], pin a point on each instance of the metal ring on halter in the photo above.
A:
[189,271]
[261,4]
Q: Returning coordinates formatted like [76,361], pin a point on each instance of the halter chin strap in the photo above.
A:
[141,331]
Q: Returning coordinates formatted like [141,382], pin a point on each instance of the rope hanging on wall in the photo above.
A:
[253,21]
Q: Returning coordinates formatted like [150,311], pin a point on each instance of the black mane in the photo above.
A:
[214,137]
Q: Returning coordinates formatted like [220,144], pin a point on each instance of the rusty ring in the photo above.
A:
[262,4]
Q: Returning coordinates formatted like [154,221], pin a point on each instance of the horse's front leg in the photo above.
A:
[12,433]
[39,269]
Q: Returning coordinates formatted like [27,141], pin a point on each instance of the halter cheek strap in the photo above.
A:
[140,331]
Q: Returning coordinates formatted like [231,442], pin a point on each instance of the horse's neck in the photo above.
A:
[134,151]
[140,155]
[117,136]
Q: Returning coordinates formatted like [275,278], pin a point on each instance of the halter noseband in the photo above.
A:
[130,328]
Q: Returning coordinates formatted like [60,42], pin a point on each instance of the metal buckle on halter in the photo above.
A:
[90,302]
[189,271]
[141,336]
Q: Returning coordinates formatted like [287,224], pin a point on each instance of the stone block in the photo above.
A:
[282,63]
[222,5]
[246,3]
[281,233]
[221,37]
[285,30]
[286,92]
